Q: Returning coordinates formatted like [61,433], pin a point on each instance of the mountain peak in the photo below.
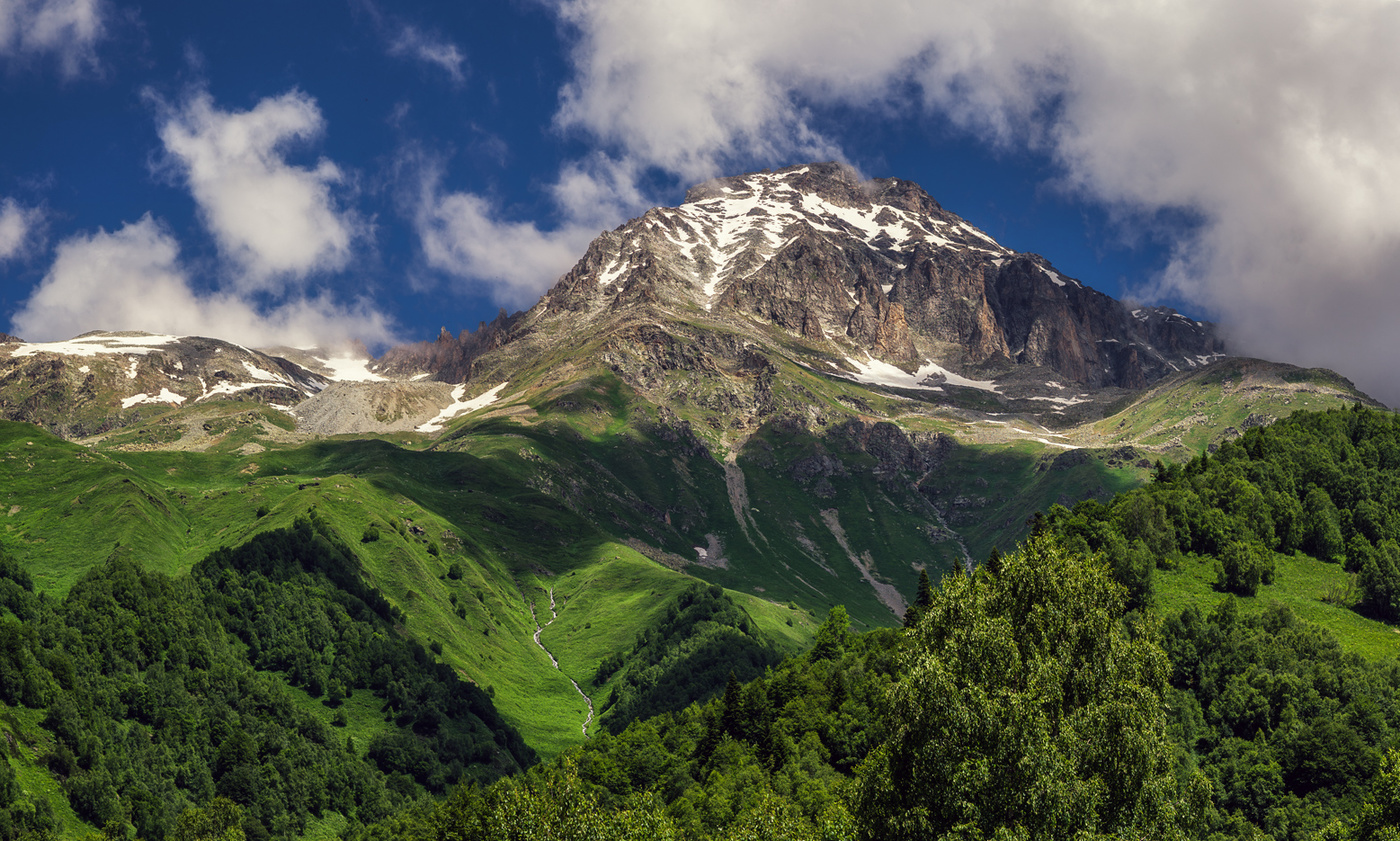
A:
[836,182]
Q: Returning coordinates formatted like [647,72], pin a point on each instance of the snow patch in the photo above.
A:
[460,406]
[352,369]
[97,344]
[226,388]
[875,372]
[165,396]
[1060,401]
[259,374]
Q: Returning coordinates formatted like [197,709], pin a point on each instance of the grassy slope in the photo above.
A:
[1306,585]
[172,508]
[29,742]
[494,507]
[991,490]
[1189,411]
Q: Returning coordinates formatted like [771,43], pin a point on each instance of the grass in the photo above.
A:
[1191,411]
[1303,584]
[990,491]
[27,742]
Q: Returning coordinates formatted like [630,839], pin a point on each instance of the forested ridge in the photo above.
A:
[702,637]
[1044,695]
[1323,484]
[164,696]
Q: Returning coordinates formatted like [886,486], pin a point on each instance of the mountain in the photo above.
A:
[866,279]
[796,392]
[796,383]
[100,381]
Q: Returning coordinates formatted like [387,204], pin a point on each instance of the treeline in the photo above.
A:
[295,598]
[1325,484]
[164,707]
[1017,706]
[702,637]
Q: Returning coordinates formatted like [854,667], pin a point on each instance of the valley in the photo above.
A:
[732,424]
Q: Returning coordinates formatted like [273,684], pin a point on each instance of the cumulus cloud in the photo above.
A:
[275,220]
[465,236]
[1274,124]
[435,51]
[17,225]
[132,279]
[67,29]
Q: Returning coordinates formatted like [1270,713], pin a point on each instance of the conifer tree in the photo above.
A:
[922,599]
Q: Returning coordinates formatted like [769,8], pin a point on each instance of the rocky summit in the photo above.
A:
[872,280]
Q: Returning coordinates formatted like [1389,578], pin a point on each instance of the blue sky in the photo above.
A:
[320,171]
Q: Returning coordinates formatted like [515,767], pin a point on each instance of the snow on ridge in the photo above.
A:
[96,344]
[614,271]
[460,406]
[259,374]
[754,216]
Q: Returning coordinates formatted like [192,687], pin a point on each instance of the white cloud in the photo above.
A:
[1275,123]
[414,43]
[132,279]
[16,228]
[68,29]
[275,220]
[463,235]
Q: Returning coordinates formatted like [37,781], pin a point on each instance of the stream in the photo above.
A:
[539,629]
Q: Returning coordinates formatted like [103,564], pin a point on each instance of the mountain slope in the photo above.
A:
[802,387]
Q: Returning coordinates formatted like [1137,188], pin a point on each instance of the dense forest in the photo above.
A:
[702,637]
[1041,696]
[1324,484]
[1026,700]
[162,695]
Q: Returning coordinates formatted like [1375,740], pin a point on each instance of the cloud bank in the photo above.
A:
[66,29]
[134,278]
[1273,124]
[274,220]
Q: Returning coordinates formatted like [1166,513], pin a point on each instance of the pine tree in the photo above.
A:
[732,709]
[922,599]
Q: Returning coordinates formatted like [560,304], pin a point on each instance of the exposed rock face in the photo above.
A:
[866,270]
